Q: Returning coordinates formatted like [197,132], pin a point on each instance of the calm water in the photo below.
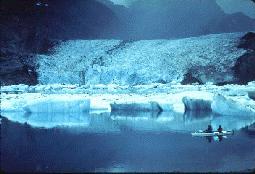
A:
[123,143]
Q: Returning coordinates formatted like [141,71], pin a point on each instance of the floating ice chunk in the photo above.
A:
[226,106]
[15,88]
[62,104]
[165,106]
[99,104]
[148,106]
[177,99]
[252,83]
[251,95]
[39,88]
[196,104]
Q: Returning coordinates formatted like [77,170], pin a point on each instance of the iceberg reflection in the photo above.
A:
[135,121]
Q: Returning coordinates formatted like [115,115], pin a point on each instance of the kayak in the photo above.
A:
[215,133]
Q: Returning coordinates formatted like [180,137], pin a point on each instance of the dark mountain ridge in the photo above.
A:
[30,27]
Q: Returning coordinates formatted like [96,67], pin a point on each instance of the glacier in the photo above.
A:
[129,62]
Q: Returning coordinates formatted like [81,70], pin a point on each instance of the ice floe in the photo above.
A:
[229,106]
[150,106]
[196,104]
[127,102]
[58,104]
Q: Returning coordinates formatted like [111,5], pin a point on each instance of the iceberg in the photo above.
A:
[251,95]
[227,106]
[146,107]
[62,104]
[160,105]
[196,104]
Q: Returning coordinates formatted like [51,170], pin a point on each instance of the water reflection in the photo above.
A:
[232,122]
[49,120]
[136,121]
[217,138]
[28,149]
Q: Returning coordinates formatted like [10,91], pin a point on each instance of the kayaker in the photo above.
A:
[220,129]
[209,129]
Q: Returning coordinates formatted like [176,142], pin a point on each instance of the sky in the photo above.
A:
[229,6]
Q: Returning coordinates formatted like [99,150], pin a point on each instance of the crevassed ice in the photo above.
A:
[138,62]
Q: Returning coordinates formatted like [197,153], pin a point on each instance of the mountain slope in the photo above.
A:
[166,19]
[29,27]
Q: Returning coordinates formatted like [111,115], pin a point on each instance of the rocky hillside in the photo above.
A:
[30,27]
[245,65]
[167,19]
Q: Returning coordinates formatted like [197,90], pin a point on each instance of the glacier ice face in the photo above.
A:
[140,62]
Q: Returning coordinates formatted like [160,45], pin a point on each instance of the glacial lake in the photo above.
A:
[135,142]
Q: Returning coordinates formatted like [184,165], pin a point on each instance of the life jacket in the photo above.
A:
[220,129]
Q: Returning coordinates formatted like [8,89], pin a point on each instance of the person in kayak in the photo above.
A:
[209,129]
[220,129]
